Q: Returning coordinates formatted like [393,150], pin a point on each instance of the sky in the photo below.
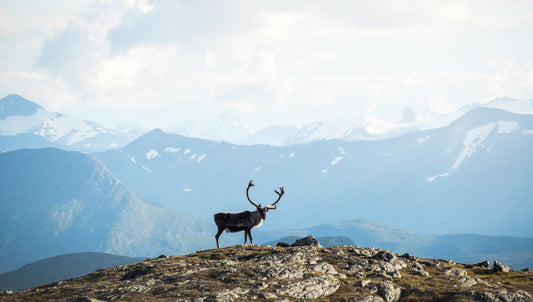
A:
[160,63]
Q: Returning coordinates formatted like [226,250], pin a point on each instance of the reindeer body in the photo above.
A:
[239,221]
[244,221]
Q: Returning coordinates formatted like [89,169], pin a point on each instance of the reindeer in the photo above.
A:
[244,221]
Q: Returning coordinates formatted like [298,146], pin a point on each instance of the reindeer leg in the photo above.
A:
[250,235]
[245,234]
[220,230]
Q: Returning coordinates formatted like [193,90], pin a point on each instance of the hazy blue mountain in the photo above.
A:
[512,105]
[24,140]
[60,268]
[24,124]
[465,248]
[473,176]
[222,128]
[15,105]
[55,202]
[273,135]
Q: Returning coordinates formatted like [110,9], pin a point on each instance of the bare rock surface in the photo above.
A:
[313,287]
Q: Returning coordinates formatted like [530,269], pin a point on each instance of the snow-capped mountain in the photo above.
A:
[375,128]
[26,124]
[274,136]
[512,105]
[222,128]
[473,175]
[410,120]
[227,128]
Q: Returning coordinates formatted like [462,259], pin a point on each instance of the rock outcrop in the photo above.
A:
[294,273]
[306,241]
[497,267]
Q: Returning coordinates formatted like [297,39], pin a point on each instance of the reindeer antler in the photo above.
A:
[280,193]
[250,184]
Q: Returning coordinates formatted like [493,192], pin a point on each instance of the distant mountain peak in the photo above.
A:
[155,131]
[24,123]
[481,115]
[15,105]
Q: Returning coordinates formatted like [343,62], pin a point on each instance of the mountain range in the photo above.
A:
[24,124]
[56,202]
[471,176]
[410,120]
[27,124]
[227,128]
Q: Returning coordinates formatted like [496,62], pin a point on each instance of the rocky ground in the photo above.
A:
[291,273]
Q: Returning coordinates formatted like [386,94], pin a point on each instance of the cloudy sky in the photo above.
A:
[158,63]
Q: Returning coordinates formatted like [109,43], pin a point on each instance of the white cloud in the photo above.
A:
[266,62]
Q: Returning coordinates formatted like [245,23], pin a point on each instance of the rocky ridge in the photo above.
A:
[295,273]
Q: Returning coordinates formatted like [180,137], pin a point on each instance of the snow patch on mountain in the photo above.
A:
[187,151]
[432,178]
[326,130]
[336,160]
[152,154]
[473,140]
[507,126]
[199,159]
[131,158]
[221,128]
[422,139]
[172,150]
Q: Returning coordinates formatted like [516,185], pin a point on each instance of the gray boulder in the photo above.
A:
[455,272]
[384,255]
[497,267]
[306,241]
[387,291]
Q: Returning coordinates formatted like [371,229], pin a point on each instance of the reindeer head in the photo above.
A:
[263,210]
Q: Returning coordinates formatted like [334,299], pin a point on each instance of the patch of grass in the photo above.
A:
[431,295]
